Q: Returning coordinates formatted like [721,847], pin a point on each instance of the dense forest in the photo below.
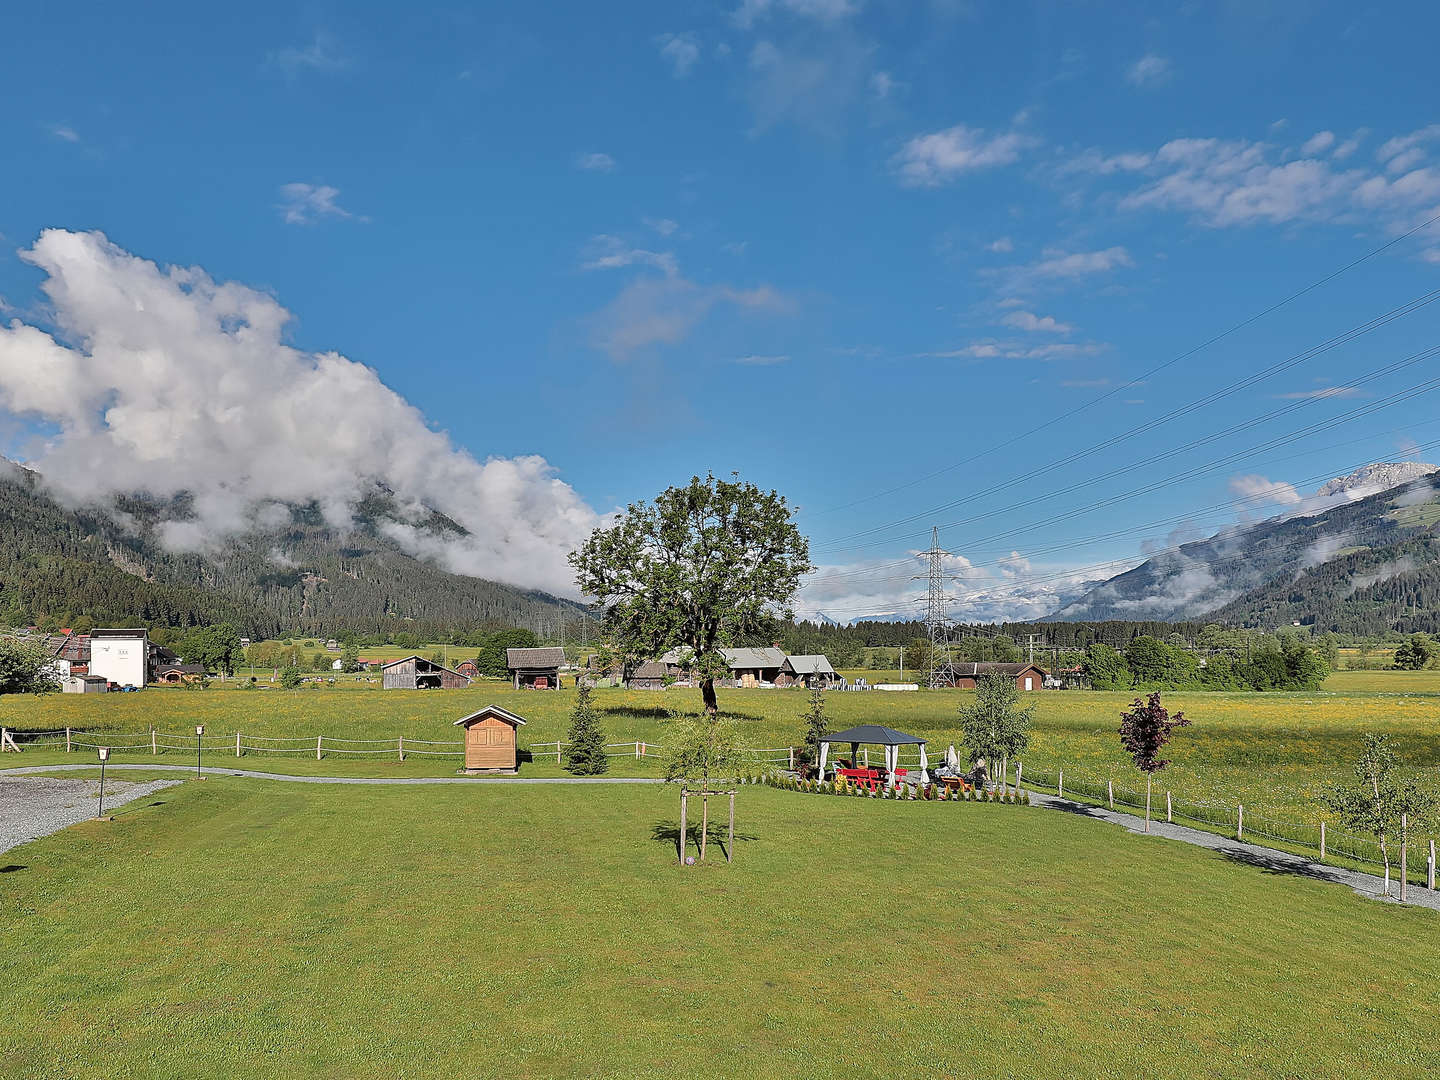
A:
[68,567]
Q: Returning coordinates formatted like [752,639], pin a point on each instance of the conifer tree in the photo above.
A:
[815,728]
[585,749]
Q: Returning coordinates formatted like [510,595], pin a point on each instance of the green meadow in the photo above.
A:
[260,929]
[1276,753]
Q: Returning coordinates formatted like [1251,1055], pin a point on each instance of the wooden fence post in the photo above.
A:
[1240,822]
[730,844]
[637,749]
[1019,771]
[1430,872]
[1060,787]
[67,740]
[1110,792]
[683,796]
[402,747]
[557,751]
[1404,867]
[317,746]
[792,758]
[1322,839]
[865,756]
[237,744]
[154,749]
[1169,811]
[643,749]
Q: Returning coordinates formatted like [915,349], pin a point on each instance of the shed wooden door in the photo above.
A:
[490,744]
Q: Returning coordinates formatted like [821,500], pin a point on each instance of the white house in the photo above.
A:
[120,656]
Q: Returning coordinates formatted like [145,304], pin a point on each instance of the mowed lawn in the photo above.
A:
[245,928]
[1276,753]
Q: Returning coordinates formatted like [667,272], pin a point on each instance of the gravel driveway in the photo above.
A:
[32,807]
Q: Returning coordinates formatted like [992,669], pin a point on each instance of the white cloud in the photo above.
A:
[652,311]
[761,361]
[937,158]
[150,386]
[992,349]
[1403,144]
[680,51]
[752,11]
[1058,263]
[1001,246]
[1149,70]
[882,85]
[65,133]
[809,83]
[1253,487]
[322,54]
[1099,163]
[1032,323]
[663,226]
[1318,143]
[307,204]
[612,253]
[595,163]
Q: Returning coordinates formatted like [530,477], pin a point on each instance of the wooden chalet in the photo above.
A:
[417,673]
[178,674]
[650,675]
[965,676]
[468,668]
[491,740]
[810,671]
[749,667]
[535,669]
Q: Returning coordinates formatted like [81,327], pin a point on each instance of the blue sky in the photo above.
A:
[838,246]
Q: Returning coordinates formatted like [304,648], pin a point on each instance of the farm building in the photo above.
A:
[491,740]
[1026,676]
[809,671]
[537,669]
[417,673]
[751,666]
[121,656]
[468,668]
[176,674]
[650,675]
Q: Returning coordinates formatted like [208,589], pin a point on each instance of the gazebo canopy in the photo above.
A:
[878,734]
[875,734]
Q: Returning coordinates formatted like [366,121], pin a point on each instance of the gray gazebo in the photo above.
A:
[877,735]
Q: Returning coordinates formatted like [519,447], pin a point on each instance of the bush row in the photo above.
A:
[904,793]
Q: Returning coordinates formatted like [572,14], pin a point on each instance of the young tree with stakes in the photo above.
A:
[994,726]
[705,566]
[1144,731]
[1380,803]
[585,749]
[702,748]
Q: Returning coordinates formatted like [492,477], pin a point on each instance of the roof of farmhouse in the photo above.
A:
[754,658]
[547,657]
[810,665]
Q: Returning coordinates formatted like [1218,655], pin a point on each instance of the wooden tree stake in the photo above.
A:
[1404,867]
[1169,812]
[704,819]
[67,740]
[730,844]
[1240,822]
[1110,792]
[237,744]
[317,746]
[1060,786]
[402,747]
[154,748]
[1430,872]
[683,796]
[1322,839]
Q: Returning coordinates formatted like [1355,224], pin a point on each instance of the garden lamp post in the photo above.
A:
[199,731]
[104,752]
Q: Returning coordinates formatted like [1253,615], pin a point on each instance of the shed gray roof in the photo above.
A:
[875,734]
[527,659]
[810,665]
[651,669]
[490,710]
[753,658]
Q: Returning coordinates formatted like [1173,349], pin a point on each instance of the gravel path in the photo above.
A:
[32,807]
[355,779]
[1264,858]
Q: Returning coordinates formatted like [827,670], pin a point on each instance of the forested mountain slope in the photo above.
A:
[302,576]
[1363,567]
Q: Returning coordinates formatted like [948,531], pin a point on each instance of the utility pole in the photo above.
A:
[1033,638]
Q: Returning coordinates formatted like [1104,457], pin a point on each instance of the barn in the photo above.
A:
[176,674]
[749,667]
[491,740]
[468,668]
[536,669]
[1026,676]
[650,675]
[809,671]
[417,673]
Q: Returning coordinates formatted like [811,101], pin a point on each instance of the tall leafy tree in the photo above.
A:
[216,647]
[1144,731]
[585,746]
[24,669]
[994,726]
[1104,668]
[705,566]
[1415,652]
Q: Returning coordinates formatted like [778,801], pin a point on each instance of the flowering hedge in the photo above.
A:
[904,793]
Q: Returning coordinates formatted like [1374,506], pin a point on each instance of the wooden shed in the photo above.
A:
[417,673]
[537,669]
[491,740]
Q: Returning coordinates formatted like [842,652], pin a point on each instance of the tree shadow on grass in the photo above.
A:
[1076,808]
[664,712]
[12,868]
[668,832]
[1280,864]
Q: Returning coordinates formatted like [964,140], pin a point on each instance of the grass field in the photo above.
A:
[237,928]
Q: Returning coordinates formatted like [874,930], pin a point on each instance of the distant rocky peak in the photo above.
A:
[1381,476]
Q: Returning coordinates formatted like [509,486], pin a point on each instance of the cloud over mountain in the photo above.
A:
[166,382]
